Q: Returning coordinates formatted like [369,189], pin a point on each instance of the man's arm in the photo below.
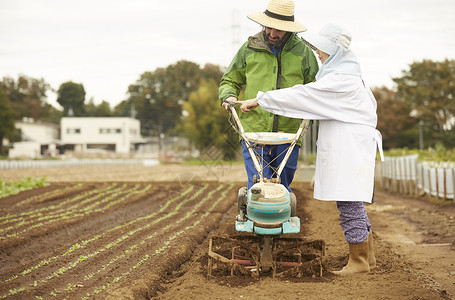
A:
[310,66]
[233,79]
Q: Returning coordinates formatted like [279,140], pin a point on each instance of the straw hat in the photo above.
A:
[329,38]
[279,15]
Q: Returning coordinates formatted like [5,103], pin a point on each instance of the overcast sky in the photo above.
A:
[107,44]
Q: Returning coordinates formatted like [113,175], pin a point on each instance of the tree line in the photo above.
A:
[182,100]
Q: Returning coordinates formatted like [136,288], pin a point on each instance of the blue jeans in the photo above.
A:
[272,156]
[354,221]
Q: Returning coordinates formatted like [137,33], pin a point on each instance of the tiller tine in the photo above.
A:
[238,258]
[296,257]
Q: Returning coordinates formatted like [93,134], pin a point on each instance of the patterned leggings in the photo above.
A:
[354,221]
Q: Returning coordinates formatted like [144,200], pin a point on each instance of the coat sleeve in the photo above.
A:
[330,98]
[234,78]
[309,65]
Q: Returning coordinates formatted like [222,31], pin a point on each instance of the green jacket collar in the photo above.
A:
[258,41]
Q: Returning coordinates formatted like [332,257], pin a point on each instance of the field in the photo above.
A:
[140,232]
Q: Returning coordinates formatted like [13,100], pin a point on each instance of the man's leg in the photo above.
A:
[287,175]
[249,165]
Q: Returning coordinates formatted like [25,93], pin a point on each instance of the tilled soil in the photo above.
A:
[142,232]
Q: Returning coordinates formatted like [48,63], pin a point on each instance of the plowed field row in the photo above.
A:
[79,240]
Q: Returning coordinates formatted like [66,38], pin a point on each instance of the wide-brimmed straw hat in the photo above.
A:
[278,15]
[329,38]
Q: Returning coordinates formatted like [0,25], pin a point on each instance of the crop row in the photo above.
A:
[165,244]
[93,201]
[77,246]
[8,188]
[113,242]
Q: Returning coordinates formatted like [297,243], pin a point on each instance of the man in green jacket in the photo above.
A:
[272,59]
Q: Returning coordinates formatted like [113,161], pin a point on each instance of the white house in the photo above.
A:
[100,133]
[38,139]
[43,133]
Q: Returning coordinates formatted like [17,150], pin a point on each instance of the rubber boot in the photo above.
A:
[371,256]
[358,259]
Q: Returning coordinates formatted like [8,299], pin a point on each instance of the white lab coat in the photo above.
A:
[348,139]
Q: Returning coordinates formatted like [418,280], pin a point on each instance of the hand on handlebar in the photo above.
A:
[227,102]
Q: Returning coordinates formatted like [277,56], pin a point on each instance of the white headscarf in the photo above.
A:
[334,40]
[343,61]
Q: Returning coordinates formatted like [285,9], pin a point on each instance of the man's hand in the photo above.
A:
[228,99]
[248,105]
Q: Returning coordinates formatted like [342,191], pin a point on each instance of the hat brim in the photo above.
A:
[317,41]
[264,20]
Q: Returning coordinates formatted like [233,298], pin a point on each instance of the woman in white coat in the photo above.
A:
[347,139]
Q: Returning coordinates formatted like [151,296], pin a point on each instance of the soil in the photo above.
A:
[142,232]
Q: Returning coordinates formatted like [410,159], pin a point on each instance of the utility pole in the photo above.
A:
[235,29]
[421,134]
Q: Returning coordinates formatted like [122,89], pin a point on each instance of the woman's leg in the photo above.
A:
[354,221]
[355,224]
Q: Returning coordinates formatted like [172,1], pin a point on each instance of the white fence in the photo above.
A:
[34,164]
[405,175]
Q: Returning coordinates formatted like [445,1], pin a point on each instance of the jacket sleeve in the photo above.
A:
[310,66]
[234,78]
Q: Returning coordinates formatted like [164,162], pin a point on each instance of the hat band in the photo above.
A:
[279,17]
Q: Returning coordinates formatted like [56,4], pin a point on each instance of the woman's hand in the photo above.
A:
[248,105]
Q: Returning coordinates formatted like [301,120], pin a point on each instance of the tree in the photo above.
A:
[71,97]
[211,71]
[6,119]
[101,110]
[206,124]
[397,127]
[428,91]
[104,109]
[124,109]
[150,96]
[157,96]
[51,114]
[27,97]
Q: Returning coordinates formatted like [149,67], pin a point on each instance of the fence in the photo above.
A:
[34,164]
[405,175]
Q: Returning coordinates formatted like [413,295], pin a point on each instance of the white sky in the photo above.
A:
[107,44]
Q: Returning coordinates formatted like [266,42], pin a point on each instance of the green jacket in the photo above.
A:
[256,68]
